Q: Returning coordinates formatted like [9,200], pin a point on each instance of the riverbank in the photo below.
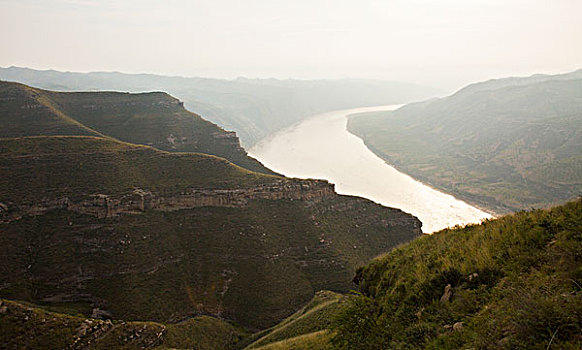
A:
[321,147]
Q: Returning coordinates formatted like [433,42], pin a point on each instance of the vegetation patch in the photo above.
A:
[510,283]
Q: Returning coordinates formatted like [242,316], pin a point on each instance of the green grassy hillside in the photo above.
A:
[254,261]
[504,145]
[312,341]
[21,114]
[155,119]
[34,168]
[510,283]
[308,323]
[26,326]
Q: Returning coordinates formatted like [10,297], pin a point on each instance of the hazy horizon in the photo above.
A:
[445,44]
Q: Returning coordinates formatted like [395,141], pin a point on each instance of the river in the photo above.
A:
[320,147]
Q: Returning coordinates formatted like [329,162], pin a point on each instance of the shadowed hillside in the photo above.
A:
[154,119]
[92,224]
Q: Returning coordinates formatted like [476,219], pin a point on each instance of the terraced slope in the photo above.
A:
[155,119]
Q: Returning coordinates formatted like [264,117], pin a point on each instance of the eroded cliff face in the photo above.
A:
[252,254]
[140,200]
[114,229]
[254,261]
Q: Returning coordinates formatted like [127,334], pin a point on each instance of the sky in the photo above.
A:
[442,43]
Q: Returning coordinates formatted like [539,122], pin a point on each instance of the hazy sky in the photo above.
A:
[444,43]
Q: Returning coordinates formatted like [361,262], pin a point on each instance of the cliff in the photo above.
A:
[142,234]
[139,200]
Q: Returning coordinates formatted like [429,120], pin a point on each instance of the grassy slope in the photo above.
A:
[504,148]
[320,340]
[516,284]
[50,167]
[22,114]
[27,326]
[154,119]
[314,318]
[256,264]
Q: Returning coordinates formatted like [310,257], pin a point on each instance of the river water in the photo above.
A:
[321,147]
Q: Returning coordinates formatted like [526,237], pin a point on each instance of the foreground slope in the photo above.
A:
[254,108]
[154,119]
[505,145]
[91,223]
[26,326]
[510,283]
[306,328]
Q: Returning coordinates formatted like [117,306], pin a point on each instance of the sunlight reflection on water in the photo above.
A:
[321,147]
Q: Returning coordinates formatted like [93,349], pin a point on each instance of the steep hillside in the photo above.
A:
[253,108]
[504,145]
[510,283]
[144,234]
[154,119]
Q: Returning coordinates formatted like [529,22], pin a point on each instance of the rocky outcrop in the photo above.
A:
[139,200]
[448,294]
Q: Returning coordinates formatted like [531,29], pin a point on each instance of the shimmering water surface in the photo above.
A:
[322,148]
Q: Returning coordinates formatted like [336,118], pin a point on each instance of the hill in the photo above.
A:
[34,327]
[156,119]
[510,283]
[253,108]
[153,235]
[92,224]
[503,145]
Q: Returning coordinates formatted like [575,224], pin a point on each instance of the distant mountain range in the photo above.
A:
[128,206]
[505,144]
[253,108]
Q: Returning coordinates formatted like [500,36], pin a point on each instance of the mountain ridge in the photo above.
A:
[155,118]
[253,108]
[504,149]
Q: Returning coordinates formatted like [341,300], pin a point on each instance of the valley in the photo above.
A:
[103,215]
[504,145]
[321,147]
[129,222]
[290,175]
[253,108]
